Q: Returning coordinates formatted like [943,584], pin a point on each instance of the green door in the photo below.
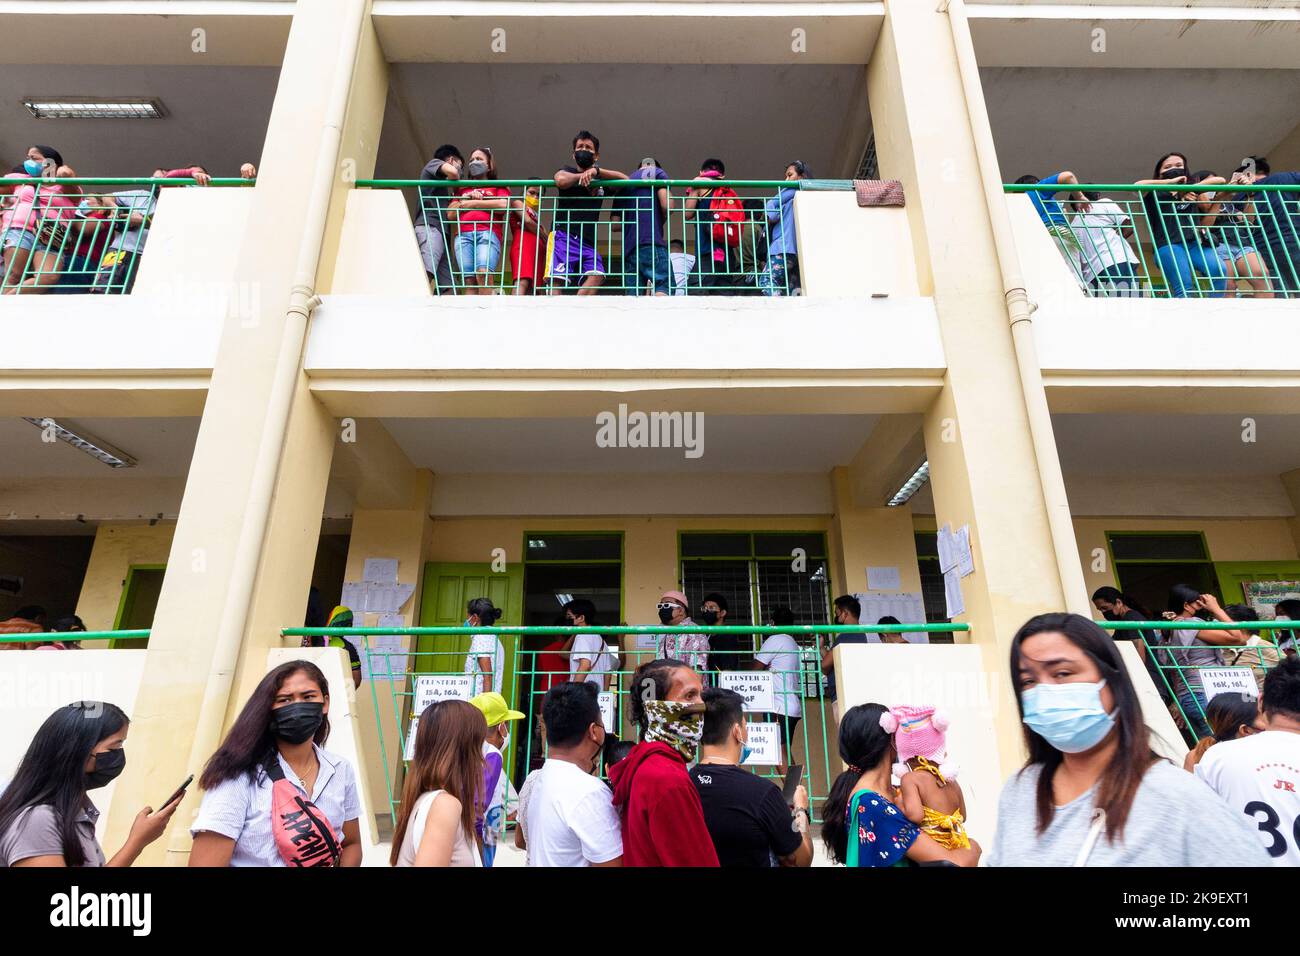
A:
[139,601]
[448,588]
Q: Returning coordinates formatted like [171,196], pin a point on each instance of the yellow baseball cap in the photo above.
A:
[495,709]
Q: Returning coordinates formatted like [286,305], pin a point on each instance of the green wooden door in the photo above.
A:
[139,601]
[448,588]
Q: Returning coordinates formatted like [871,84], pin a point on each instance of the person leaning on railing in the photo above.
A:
[1107,261]
[430,217]
[33,227]
[527,241]
[1182,249]
[717,213]
[1226,221]
[1279,230]
[573,258]
[644,211]
[479,211]
[1053,216]
[782,274]
[1196,649]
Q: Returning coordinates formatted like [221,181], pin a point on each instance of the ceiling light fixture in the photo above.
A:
[911,486]
[564,599]
[93,107]
[94,447]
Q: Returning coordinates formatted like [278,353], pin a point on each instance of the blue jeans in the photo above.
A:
[1193,707]
[1178,263]
[647,264]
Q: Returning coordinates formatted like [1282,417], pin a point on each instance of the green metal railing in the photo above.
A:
[76,234]
[417,672]
[7,641]
[1182,682]
[520,236]
[1168,241]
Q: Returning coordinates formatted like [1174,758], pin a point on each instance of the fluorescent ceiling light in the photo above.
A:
[536,543]
[563,598]
[90,107]
[911,486]
[94,447]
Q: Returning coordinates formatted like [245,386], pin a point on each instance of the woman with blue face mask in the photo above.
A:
[1093,793]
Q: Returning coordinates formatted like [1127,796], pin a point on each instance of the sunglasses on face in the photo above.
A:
[667,606]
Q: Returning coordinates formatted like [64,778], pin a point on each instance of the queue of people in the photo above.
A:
[1224,241]
[1093,790]
[472,233]
[61,238]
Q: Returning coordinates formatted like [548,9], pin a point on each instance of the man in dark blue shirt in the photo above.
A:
[1278,223]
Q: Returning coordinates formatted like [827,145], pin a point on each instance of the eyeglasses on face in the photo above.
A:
[666,606]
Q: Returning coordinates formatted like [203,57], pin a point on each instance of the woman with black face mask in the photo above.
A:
[46,815]
[274,796]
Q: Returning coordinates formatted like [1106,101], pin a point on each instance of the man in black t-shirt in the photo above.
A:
[746,815]
[578,207]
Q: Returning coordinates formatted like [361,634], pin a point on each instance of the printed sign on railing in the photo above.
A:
[1228,680]
[765,744]
[432,688]
[606,700]
[755,686]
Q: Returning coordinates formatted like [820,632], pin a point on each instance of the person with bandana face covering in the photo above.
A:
[659,809]
[1093,793]
[46,814]
[274,796]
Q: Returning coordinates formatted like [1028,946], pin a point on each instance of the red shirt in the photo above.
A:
[554,667]
[476,220]
[663,820]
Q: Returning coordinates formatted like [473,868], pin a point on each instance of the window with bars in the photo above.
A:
[932,594]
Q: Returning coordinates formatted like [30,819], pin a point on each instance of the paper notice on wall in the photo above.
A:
[883,579]
[383,656]
[965,559]
[755,686]
[380,571]
[647,642]
[1228,680]
[908,607]
[408,748]
[606,701]
[947,548]
[764,744]
[368,597]
[952,593]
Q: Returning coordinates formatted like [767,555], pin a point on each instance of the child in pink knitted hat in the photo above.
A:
[928,790]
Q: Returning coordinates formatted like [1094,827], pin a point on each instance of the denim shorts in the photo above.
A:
[1230,252]
[22,238]
[478,251]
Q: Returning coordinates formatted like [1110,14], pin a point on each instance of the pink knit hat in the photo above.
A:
[919,732]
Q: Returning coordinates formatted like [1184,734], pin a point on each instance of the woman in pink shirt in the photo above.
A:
[33,230]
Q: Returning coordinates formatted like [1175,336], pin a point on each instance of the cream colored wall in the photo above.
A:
[378,254]
[848,251]
[117,547]
[1233,539]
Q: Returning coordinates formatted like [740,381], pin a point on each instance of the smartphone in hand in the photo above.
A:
[793,777]
[177,792]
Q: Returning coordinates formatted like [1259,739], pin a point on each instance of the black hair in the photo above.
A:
[1282,689]
[889,619]
[581,607]
[1290,607]
[1241,612]
[447,152]
[615,750]
[677,242]
[250,740]
[316,615]
[30,612]
[651,682]
[568,709]
[1028,179]
[863,745]
[1132,758]
[800,169]
[1115,594]
[53,770]
[1161,161]
[713,164]
[586,134]
[723,709]
[487,612]
[49,152]
[781,616]
[718,599]
[1181,595]
[68,624]
[1261,166]
[847,602]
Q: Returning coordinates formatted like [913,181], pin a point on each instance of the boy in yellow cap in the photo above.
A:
[498,715]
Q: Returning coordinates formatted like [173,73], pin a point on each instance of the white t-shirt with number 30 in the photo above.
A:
[1259,776]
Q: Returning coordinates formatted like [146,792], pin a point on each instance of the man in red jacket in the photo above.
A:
[660,811]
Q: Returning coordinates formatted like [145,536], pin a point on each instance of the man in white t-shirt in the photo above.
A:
[780,654]
[1260,774]
[589,660]
[1107,261]
[571,816]
[487,655]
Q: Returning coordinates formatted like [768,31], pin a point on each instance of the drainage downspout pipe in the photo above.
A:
[1020,309]
[252,531]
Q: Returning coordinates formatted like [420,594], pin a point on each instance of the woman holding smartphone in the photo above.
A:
[274,796]
[46,814]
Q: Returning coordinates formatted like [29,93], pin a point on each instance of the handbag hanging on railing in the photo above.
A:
[879,192]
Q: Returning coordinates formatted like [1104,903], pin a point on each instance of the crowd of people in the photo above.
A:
[473,233]
[34,619]
[1093,790]
[1235,242]
[63,238]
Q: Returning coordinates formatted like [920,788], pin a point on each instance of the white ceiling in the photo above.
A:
[216,117]
[1176,445]
[755,118]
[787,444]
[162,446]
[1112,125]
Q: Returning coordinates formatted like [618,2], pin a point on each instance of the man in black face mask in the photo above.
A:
[734,648]
[578,207]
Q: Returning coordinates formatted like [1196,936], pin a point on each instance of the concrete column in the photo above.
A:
[241,558]
[982,463]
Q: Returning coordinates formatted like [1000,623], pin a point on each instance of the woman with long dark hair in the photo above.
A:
[1195,650]
[46,815]
[1093,792]
[1231,717]
[862,823]
[1183,249]
[444,791]
[274,796]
